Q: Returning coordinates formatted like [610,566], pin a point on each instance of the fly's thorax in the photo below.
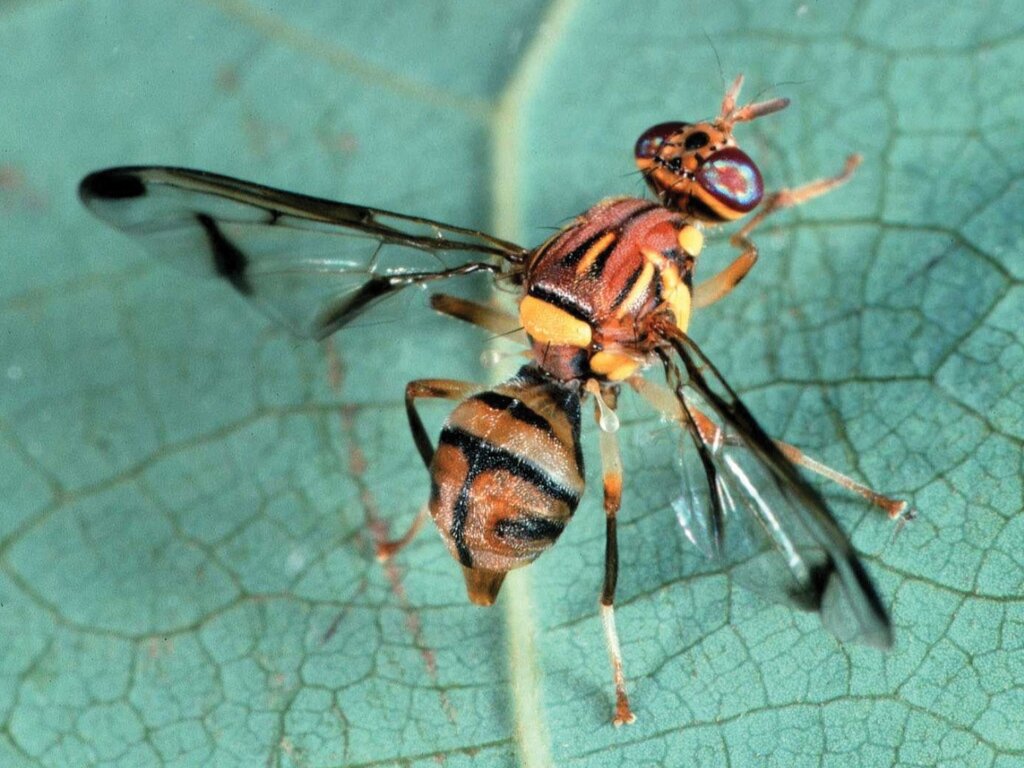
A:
[590,290]
[507,476]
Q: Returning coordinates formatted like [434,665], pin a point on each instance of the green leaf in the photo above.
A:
[191,498]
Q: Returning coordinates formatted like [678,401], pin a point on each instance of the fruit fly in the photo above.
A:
[601,302]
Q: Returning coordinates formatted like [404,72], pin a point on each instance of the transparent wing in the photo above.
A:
[308,263]
[745,506]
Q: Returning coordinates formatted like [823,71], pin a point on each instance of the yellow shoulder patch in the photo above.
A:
[548,324]
[691,240]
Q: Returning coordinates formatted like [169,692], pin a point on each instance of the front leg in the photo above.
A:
[718,286]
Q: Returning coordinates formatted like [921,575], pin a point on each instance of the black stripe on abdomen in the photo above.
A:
[528,528]
[482,457]
[517,409]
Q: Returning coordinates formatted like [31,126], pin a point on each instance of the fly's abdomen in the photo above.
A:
[507,476]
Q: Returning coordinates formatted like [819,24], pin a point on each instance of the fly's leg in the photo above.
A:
[421,389]
[718,286]
[494,320]
[665,402]
[501,324]
[387,549]
[611,463]
[896,509]
[788,198]
[447,389]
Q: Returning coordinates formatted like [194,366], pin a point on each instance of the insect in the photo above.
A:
[603,301]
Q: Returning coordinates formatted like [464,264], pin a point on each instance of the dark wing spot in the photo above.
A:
[336,316]
[228,260]
[111,185]
[809,599]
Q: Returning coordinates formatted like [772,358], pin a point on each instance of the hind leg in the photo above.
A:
[446,389]
[665,403]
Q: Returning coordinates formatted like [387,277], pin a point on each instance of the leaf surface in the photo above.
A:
[191,498]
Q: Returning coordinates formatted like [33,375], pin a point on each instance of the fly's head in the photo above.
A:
[697,169]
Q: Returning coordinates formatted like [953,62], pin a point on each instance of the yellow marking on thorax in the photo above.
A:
[691,240]
[614,366]
[655,258]
[643,282]
[594,251]
[549,324]
[676,294]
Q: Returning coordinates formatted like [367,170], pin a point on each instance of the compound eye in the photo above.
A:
[653,139]
[731,182]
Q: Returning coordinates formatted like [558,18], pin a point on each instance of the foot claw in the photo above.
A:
[623,714]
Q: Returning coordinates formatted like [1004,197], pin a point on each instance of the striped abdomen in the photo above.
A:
[590,288]
[506,477]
